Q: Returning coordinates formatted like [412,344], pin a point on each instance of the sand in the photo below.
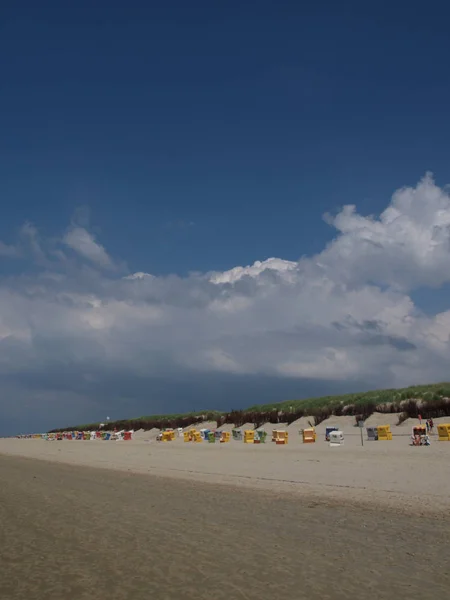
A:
[346,423]
[78,532]
[226,427]
[409,423]
[269,426]
[143,519]
[390,473]
[246,426]
[377,418]
[302,423]
[211,425]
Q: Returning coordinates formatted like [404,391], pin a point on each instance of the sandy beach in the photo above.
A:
[392,473]
[139,519]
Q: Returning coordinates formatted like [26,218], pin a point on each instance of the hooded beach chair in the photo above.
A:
[444,432]
[262,434]
[249,436]
[336,438]
[372,434]
[328,430]
[237,435]
[309,435]
[225,437]
[384,432]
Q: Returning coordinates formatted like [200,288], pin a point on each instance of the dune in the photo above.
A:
[345,423]
[226,427]
[302,423]
[269,427]
[377,419]
[409,423]
[247,426]
[140,434]
[153,433]
[204,425]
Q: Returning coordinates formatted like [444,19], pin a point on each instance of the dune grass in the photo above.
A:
[429,400]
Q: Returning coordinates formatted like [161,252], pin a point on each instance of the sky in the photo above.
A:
[212,205]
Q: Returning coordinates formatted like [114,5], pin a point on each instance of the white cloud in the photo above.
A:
[258,267]
[82,242]
[139,275]
[407,246]
[344,315]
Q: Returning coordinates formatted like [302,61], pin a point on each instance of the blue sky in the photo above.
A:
[199,137]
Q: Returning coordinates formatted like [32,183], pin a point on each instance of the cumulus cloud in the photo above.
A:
[83,242]
[342,319]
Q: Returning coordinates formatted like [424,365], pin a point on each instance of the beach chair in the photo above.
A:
[384,432]
[262,435]
[168,435]
[237,435]
[249,436]
[372,434]
[279,436]
[187,436]
[418,432]
[211,437]
[328,430]
[225,437]
[444,432]
[309,435]
[336,438]
[107,436]
[198,437]
[127,435]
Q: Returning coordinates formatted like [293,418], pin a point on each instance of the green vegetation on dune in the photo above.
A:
[434,391]
[430,400]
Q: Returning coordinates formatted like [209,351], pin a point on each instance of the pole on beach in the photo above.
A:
[361,425]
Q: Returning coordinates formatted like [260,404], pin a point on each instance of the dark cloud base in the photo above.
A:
[133,398]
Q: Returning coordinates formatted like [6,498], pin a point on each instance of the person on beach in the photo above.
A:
[431,425]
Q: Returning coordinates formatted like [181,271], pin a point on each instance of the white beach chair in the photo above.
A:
[336,438]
